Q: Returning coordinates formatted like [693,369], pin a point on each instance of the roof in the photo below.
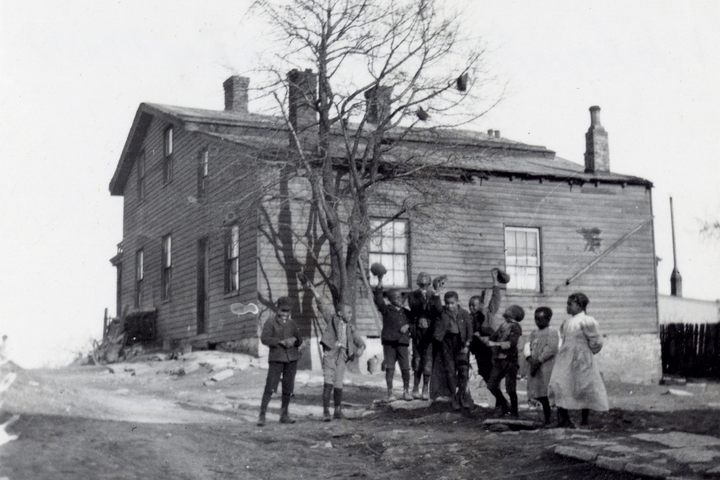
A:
[475,152]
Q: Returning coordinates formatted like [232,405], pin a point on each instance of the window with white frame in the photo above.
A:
[523,259]
[232,260]
[139,276]
[166,273]
[168,147]
[389,246]
[203,170]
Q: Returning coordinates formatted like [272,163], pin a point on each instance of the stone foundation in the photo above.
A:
[631,358]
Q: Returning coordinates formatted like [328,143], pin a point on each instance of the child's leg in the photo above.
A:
[390,359]
[493,385]
[564,418]
[271,383]
[585,412]
[288,386]
[511,388]
[404,362]
[340,359]
[545,402]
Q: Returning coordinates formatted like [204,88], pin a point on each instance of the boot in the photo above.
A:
[390,396]
[426,388]
[416,386]
[455,402]
[585,417]
[564,419]
[513,405]
[406,395]
[338,414]
[389,381]
[284,415]
[327,392]
[263,408]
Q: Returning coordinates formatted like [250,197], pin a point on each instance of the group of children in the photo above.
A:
[441,336]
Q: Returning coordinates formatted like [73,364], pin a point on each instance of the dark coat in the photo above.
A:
[394,318]
[464,322]
[273,332]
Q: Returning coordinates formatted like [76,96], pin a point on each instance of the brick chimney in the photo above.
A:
[597,153]
[302,96]
[236,94]
[378,103]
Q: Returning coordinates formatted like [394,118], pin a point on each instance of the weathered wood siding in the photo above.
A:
[466,238]
[176,209]
[621,287]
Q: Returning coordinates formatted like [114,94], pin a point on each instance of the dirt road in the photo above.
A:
[148,423]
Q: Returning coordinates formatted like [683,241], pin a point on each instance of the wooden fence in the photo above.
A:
[691,350]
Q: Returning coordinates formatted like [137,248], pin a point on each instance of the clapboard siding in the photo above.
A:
[176,209]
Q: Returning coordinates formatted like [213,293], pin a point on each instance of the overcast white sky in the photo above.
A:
[74,72]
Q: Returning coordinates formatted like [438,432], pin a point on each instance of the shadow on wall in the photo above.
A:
[282,231]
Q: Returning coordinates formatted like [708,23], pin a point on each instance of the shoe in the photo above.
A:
[390,396]
[455,403]
[425,392]
[285,418]
[406,396]
[416,393]
[326,415]
[338,414]
[261,420]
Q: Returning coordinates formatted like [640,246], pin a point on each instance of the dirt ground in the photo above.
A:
[149,420]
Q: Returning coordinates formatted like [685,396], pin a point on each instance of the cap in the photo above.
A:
[283,303]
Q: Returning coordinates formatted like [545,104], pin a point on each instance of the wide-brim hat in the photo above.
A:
[378,269]
[503,276]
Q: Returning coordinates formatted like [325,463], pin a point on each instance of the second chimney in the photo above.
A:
[236,94]
[302,113]
[378,104]
[597,152]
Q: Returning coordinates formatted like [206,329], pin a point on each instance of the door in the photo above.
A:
[202,294]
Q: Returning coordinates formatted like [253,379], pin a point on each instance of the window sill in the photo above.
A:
[232,294]
[524,293]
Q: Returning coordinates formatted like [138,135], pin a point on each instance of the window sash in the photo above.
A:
[232,260]
[141,176]
[389,246]
[139,265]
[169,138]
[523,258]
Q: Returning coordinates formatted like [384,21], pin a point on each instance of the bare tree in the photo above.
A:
[384,69]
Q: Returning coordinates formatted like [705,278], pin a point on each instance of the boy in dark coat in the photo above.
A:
[483,309]
[395,338]
[341,344]
[423,317]
[505,359]
[282,335]
[453,333]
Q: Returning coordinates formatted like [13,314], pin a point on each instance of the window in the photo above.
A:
[168,160]
[166,274]
[389,246]
[232,260]
[139,277]
[522,258]
[203,169]
[141,176]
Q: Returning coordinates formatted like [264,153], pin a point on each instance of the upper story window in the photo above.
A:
[166,262]
[523,259]
[168,149]
[232,260]
[139,276]
[389,246]
[203,171]
[141,175]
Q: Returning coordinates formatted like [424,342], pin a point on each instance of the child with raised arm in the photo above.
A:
[505,360]
[340,344]
[395,338]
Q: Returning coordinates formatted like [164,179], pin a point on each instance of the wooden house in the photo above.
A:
[196,239]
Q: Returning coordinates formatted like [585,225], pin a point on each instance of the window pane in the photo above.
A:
[235,242]
[205,161]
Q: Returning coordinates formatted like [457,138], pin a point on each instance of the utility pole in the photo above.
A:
[675,277]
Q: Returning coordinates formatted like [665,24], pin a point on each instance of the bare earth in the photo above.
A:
[144,420]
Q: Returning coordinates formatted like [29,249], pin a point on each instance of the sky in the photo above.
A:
[74,72]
